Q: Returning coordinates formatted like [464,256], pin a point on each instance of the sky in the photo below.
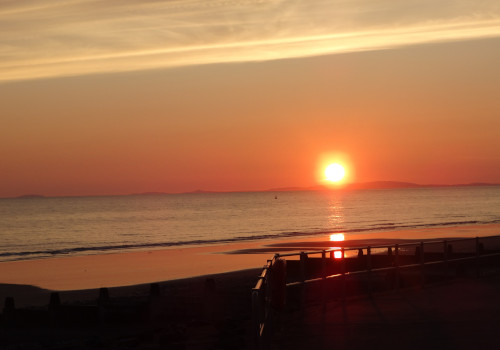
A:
[116,97]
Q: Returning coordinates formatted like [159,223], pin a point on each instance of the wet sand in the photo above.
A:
[142,267]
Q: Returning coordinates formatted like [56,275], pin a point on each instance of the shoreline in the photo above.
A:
[140,268]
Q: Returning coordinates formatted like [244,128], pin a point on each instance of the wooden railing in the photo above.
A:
[390,259]
[261,305]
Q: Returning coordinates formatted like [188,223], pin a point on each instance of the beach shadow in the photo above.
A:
[24,295]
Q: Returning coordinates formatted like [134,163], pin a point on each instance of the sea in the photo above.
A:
[34,228]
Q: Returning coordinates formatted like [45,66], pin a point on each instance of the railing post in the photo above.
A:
[396,263]
[369,268]
[278,285]
[256,317]
[445,254]
[268,287]
[303,260]
[477,257]
[449,253]
[323,275]
[54,307]
[422,258]
[342,270]
[9,312]
[422,262]
[323,264]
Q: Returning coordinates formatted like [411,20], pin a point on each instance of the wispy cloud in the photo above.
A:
[51,38]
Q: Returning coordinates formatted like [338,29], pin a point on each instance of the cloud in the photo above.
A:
[48,38]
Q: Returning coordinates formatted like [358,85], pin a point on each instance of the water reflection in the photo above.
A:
[337,237]
[336,222]
[336,213]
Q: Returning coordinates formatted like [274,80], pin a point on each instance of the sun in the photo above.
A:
[334,172]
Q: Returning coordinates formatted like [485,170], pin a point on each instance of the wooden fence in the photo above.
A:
[331,272]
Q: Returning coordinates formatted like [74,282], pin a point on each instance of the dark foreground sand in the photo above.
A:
[460,314]
[197,313]
[209,312]
[213,311]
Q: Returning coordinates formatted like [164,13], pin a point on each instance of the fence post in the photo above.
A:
[103,295]
[422,262]
[256,317]
[445,253]
[396,263]
[303,260]
[9,312]
[277,284]
[369,268]
[449,253]
[478,249]
[54,308]
[342,270]
[267,288]
[323,275]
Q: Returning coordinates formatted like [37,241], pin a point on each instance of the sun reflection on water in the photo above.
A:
[337,254]
[337,237]
[336,213]
[336,220]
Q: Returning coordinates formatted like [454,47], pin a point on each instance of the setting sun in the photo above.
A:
[334,172]
[334,169]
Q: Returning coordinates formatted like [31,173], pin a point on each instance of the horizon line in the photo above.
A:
[375,185]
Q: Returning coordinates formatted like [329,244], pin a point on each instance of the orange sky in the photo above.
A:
[426,112]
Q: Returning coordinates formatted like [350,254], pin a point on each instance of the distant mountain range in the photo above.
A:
[374,185]
[354,186]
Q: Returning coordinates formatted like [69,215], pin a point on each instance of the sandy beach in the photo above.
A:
[202,298]
[142,267]
[31,281]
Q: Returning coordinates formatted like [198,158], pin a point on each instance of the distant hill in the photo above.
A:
[166,193]
[375,185]
[353,186]
[202,191]
[478,184]
[148,194]
[291,189]
[382,185]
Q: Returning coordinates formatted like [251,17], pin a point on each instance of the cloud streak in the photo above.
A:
[44,39]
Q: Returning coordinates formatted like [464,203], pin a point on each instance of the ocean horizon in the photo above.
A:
[371,185]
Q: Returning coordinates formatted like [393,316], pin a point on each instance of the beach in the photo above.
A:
[88,272]
[139,267]
[204,290]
